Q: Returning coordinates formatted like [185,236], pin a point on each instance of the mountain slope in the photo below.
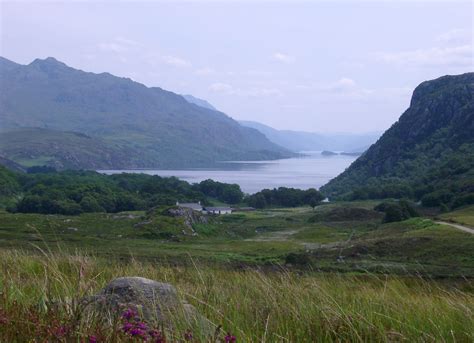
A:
[162,127]
[65,150]
[200,102]
[300,140]
[427,154]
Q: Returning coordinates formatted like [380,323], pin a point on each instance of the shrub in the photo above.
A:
[397,211]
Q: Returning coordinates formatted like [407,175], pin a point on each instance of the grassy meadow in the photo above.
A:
[40,293]
[336,273]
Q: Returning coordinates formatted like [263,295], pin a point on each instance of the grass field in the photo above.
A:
[259,238]
[463,216]
[39,293]
[279,275]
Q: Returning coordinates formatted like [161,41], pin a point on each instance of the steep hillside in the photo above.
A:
[300,140]
[427,154]
[200,102]
[9,164]
[162,127]
[66,150]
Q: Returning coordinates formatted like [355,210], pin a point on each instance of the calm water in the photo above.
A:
[312,170]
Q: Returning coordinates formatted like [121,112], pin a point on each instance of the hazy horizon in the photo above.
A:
[329,66]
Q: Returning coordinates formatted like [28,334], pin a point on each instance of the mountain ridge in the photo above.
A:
[427,154]
[165,128]
[302,140]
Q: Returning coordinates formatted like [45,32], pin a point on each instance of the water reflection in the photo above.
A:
[309,170]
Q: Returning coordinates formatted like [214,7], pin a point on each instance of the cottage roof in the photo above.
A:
[192,205]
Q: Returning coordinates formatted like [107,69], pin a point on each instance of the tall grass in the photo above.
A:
[40,293]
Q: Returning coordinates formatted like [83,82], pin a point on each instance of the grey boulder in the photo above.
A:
[155,301]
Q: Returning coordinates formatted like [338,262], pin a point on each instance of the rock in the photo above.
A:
[156,302]
[143,223]
[189,216]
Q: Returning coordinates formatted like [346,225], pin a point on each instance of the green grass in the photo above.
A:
[351,281]
[38,293]
[254,238]
[30,162]
[321,234]
[463,216]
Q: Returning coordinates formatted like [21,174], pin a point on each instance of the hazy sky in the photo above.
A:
[315,66]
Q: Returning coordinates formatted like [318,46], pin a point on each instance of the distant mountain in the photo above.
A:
[427,154]
[300,141]
[66,150]
[133,125]
[9,164]
[199,102]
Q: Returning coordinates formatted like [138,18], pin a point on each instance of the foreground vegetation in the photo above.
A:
[359,271]
[334,237]
[40,302]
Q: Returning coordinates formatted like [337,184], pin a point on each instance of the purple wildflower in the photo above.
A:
[92,339]
[60,331]
[127,327]
[154,333]
[136,332]
[141,326]
[156,336]
[230,338]
[129,314]
[188,335]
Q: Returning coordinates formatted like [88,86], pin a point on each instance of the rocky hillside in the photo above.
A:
[427,154]
[160,128]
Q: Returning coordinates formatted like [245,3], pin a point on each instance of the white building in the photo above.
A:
[218,210]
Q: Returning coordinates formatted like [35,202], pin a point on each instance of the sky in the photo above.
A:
[321,66]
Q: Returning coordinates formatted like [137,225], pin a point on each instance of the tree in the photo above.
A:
[313,202]
[259,201]
[232,194]
[90,204]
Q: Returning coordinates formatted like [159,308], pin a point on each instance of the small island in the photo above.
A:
[328,153]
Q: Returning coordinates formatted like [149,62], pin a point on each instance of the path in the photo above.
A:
[274,236]
[457,226]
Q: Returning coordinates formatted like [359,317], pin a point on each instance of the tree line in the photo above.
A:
[42,190]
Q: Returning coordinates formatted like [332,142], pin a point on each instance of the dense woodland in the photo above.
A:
[43,190]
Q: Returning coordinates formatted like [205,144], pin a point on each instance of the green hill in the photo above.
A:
[66,150]
[139,126]
[427,154]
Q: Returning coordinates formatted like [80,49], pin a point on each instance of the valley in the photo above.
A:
[300,237]
[236,171]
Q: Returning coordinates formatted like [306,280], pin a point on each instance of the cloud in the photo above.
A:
[227,89]
[118,45]
[455,36]
[344,89]
[205,71]
[219,87]
[257,92]
[176,61]
[461,56]
[341,85]
[112,47]
[126,41]
[284,58]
